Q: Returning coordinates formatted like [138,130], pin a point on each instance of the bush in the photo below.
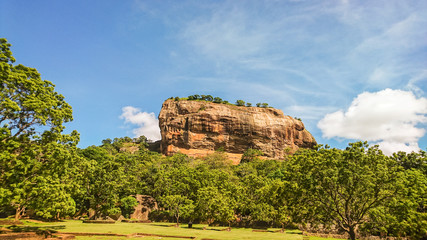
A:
[240,103]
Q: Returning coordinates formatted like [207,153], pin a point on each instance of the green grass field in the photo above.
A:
[169,229]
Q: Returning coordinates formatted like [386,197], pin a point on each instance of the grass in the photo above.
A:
[168,229]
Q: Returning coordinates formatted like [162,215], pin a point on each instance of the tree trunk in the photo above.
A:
[18,213]
[352,233]
[177,221]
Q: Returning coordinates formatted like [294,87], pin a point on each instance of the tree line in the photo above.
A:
[357,190]
[210,98]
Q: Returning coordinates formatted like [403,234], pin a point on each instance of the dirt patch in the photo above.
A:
[159,235]
[10,222]
[26,236]
[99,221]
[34,236]
[126,235]
[136,221]
[34,221]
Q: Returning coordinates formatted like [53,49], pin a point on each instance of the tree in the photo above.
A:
[218,160]
[248,104]
[342,187]
[240,103]
[128,204]
[209,98]
[412,160]
[251,155]
[109,180]
[406,213]
[264,105]
[27,101]
[34,154]
[217,100]
[213,205]
[179,206]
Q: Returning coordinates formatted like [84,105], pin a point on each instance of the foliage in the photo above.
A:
[240,103]
[405,214]
[36,159]
[251,155]
[342,186]
[109,179]
[214,205]
[209,98]
[127,205]
[179,206]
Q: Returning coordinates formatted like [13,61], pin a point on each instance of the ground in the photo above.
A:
[211,233]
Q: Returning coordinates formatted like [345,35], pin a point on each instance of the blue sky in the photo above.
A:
[352,70]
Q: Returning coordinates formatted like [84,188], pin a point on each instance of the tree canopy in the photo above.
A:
[33,150]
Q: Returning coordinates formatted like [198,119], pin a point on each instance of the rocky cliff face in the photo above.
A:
[198,128]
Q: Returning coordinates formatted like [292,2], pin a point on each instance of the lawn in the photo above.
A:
[197,231]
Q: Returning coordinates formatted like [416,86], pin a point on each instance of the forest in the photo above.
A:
[357,190]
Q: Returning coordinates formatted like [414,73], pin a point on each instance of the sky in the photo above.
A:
[351,70]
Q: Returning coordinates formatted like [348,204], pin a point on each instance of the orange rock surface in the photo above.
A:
[198,128]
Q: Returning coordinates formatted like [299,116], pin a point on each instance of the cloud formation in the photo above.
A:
[389,118]
[148,124]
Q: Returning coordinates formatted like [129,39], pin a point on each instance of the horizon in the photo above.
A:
[351,70]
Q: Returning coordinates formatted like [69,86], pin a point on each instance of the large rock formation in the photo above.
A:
[198,128]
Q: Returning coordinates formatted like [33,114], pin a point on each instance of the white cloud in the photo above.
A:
[148,124]
[389,118]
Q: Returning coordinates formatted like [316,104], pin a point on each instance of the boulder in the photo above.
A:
[146,204]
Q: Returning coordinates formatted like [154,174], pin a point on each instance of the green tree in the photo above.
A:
[217,160]
[209,98]
[179,206]
[127,205]
[217,100]
[108,179]
[251,155]
[213,205]
[406,213]
[34,154]
[240,103]
[342,187]
[412,160]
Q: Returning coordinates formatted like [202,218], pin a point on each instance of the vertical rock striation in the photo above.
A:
[198,128]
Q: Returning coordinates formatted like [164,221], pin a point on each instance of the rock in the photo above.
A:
[198,128]
[121,218]
[146,204]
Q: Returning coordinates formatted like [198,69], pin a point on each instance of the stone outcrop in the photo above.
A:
[146,204]
[198,128]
